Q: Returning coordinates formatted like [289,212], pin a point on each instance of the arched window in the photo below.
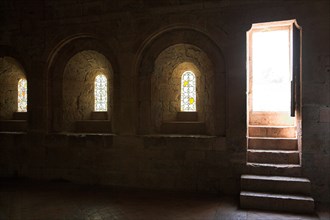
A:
[101,93]
[22,95]
[188,92]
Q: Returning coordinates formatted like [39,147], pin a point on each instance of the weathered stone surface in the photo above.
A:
[269,143]
[276,184]
[273,157]
[325,114]
[78,86]
[277,202]
[166,84]
[116,36]
[11,72]
[267,131]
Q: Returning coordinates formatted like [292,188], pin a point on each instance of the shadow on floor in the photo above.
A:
[25,200]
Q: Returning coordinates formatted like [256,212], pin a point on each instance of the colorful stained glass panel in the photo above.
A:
[188,92]
[100,93]
[22,95]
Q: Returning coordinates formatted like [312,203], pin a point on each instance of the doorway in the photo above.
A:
[273,92]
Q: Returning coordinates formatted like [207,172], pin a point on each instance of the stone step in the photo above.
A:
[273,169]
[272,131]
[264,143]
[276,202]
[183,127]
[273,157]
[276,184]
[271,118]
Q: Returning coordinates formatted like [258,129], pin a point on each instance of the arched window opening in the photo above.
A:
[100,93]
[188,92]
[22,95]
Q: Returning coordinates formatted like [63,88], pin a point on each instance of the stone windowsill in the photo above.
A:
[99,115]
[93,126]
[178,136]
[77,134]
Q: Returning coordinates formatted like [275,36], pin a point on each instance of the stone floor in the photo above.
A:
[26,200]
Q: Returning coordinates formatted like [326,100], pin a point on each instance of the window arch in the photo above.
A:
[188,92]
[101,93]
[22,95]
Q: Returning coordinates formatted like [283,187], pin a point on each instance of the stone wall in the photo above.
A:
[10,73]
[155,162]
[166,84]
[47,34]
[78,86]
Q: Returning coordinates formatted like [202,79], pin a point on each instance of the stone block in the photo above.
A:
[92,8]
[20,116]
[312,91]
[267,131]
[99,115]
[128,142]
[13,125]
[219,144]
[93,126]
[187,116]
[273,157]
[195,156]
[276,184]
[276,202]
[179,127]
[260,143]
[274,169]
[325,114]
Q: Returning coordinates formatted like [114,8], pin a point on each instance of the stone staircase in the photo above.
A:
[273,162]
[276,193]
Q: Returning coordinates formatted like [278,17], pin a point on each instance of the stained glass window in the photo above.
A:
[100,93]
[22,95]
[188,92]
